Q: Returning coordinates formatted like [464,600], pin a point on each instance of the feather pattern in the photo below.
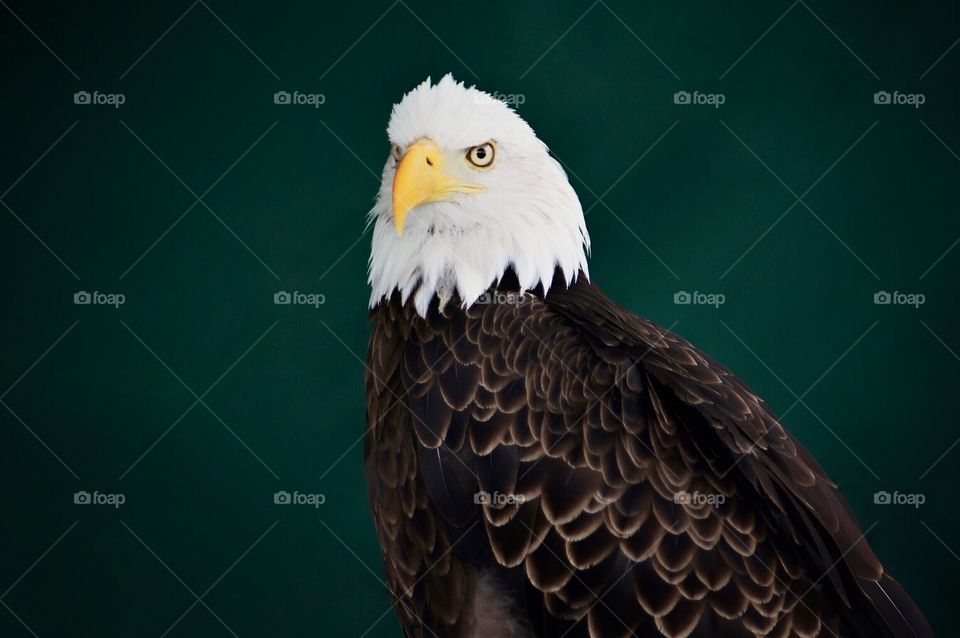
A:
[612,480]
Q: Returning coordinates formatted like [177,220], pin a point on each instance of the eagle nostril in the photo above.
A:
[429,162]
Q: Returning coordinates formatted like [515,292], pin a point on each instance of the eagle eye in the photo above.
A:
[481,156]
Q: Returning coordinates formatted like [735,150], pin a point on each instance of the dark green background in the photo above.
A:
[297,200]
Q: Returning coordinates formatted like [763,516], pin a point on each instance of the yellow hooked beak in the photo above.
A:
[420,180]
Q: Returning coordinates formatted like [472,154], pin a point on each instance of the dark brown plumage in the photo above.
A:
[595,421]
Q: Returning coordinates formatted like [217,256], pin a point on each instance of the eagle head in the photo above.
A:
[467,192]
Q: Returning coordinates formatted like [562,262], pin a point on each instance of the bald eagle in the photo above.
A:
[541,462]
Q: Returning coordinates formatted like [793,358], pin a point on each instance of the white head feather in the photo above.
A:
[527,218]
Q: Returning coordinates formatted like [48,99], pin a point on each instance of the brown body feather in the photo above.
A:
[592,425]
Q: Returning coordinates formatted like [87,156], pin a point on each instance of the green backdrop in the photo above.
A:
[198,198]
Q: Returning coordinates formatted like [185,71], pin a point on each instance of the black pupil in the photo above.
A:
[481,153]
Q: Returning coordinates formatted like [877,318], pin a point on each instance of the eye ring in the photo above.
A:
[396,152]
[482,156]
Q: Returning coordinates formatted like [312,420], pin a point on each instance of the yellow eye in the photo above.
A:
[481,156]
[396,152]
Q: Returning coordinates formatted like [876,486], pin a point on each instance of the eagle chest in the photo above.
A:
[423,474]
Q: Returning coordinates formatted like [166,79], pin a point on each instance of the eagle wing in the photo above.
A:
[618,480]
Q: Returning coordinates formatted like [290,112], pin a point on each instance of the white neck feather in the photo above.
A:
[446,260]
